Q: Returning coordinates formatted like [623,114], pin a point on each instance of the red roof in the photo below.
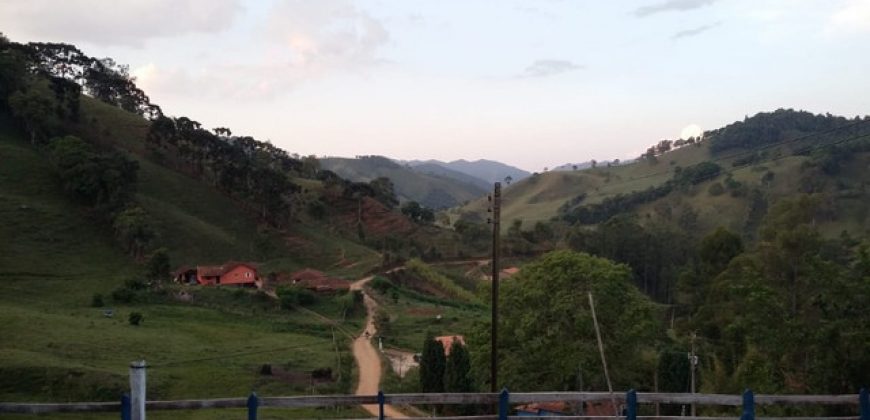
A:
[219,270]
[447,342]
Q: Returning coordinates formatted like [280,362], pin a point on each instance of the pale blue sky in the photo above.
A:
[530,83]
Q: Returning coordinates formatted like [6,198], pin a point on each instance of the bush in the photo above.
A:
[97,301]
[293,296]
[123,295]
[716,189]
[135,283]
[381,285]
[136,318]
[352,303]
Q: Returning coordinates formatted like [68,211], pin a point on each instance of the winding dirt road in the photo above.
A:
[367,358]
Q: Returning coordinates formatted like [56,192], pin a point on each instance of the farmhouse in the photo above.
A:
[231,273]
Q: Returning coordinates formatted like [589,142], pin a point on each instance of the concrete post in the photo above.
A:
[137,390]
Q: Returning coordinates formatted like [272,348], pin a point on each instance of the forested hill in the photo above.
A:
[167,183]
[756,256]
[769,128]
[433,190]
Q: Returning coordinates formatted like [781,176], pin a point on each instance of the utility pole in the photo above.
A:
[693,361]
[496,244]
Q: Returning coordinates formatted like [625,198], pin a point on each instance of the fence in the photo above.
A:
[631,399]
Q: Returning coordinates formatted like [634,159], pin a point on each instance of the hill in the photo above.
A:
[431,190]
[94,188]
[441,171]
[488,170]
[790,159]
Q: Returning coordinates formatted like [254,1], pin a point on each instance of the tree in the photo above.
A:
[457,374]
[555,333]
[384,191]
[418,213]
[35,108]
[158,266]
[718,249]
[133,227]
[432,366]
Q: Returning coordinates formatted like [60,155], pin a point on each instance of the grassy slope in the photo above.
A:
[538,198]
[55,257]
[200,225]
[410,185]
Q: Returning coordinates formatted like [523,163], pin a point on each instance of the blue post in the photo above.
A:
[126,411]
[381,405]
[631,405]
[864,403]
[253,403]
[748,405]
[503,399]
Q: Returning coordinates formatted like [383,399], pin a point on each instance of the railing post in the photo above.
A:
[631,405]
[253,403]
[381,405]
[137,390]
[748,405]
[125,407]
[864,403]
[503,399]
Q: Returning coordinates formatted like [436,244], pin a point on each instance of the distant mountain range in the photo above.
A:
[488,171]
[430,186]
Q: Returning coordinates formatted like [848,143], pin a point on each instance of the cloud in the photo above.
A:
[328,33]
[298,42]
[129,23]
[854,17]
[671,6]
[694,31]
[544,68]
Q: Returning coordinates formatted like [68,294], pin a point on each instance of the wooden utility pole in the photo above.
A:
[601,351]
[496,244]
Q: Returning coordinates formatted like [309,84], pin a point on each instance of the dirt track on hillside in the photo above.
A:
[367,358]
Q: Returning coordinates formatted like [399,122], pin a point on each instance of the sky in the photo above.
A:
[530,83]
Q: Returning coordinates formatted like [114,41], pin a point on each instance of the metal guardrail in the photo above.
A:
[503,400]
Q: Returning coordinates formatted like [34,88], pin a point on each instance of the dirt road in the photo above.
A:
[367,357]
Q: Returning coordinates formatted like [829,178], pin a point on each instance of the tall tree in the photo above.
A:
[546,344]
[457,375]
[432,366]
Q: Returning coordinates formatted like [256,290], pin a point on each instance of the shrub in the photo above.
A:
[136,318]
[123,295]
[381,285]
[716,189]
[97,301]
[292,296]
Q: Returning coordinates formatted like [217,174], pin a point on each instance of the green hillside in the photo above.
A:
[58,347]
[770,171]
[71,275]
[431,190]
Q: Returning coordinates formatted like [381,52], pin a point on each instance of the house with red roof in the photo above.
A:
[235,273]
[231,273]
